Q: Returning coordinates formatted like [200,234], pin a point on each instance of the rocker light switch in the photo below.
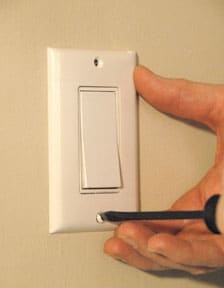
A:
[100,168]
[92,137]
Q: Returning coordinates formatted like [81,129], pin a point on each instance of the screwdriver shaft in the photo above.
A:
[117,216]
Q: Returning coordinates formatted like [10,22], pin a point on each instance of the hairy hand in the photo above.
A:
[178,244]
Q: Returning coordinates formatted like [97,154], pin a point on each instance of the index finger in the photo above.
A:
[190,100]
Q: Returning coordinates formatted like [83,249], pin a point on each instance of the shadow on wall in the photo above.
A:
[191,123]
[215,278]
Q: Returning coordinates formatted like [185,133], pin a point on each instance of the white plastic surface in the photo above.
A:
[99,140]
[71,73]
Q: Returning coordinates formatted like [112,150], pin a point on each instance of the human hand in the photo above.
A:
[178,244]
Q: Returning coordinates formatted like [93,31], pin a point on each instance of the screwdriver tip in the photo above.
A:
[99,218]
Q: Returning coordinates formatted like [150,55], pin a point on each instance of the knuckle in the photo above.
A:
[159,241]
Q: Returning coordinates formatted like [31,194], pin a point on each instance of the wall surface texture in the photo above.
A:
[174,38]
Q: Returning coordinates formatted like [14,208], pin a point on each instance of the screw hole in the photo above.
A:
[98,62]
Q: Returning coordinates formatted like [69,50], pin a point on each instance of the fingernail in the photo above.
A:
[150,249]
[129,241]
[154,249]
[199,272]
[120,259]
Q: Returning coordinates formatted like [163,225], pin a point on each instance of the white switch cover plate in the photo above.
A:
[92,135]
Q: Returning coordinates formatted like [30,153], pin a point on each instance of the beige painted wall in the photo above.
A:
[176,38]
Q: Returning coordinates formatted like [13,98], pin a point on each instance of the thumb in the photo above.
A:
[196,101]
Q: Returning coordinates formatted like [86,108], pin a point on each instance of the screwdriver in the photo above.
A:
[213,215]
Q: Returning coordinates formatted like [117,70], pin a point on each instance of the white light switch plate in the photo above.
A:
[92,135]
